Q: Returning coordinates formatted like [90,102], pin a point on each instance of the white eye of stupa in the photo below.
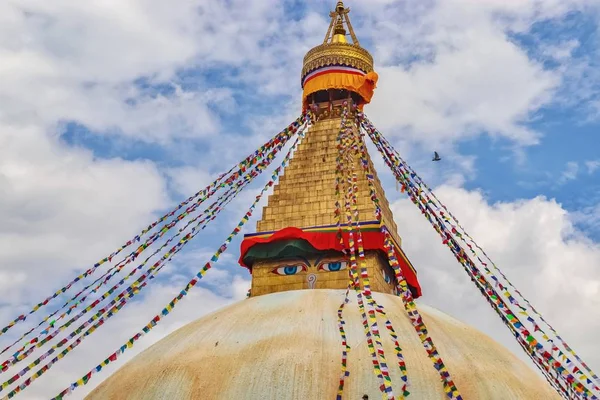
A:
[386,277]
[333,266]
[290,269]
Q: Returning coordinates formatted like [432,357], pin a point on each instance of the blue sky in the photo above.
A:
[110,117]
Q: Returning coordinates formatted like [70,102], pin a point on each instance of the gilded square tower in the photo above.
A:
[294,246]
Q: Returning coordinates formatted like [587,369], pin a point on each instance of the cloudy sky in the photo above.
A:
[113,111]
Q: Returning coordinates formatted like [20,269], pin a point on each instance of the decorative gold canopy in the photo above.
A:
[335,50]
[338,65]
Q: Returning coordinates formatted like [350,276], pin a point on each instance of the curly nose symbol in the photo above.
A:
[312,279]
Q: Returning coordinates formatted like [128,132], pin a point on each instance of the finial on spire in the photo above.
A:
[337,32]
[338,57]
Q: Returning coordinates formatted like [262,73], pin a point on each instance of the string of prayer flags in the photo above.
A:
[369,320]
[99,317]
[487,283]
[136,287]
[364,276]
[346,349]
[447,239]
[110,274]
[368,333]
[341,322]
[397,348]
[462,236]
[225,199]
[358,146]
[169,308]
[249,161]
[417,321]
[341,169]
[539,354]
[150,273]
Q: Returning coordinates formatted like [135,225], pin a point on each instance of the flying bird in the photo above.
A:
[436,156]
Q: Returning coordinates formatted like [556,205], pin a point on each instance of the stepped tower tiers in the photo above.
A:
[295,246]
[284,342]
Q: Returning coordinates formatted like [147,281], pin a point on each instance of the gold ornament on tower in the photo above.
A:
[338,64]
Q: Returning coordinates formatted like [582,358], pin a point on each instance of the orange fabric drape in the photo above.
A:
[364,85]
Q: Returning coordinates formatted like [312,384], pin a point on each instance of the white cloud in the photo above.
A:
[76,62]
[588,217]
[561,51]
[592,166]
[62,210]
[451,71]
[188,180]
[534,243]
[472,78]
[73,62]
[570,172]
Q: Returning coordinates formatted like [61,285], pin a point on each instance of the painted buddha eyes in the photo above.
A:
[294,269]
[289,270]
[333,266]
[386,278]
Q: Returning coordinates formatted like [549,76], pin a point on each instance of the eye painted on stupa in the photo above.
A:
[333,266]
[386,277]
[290,269]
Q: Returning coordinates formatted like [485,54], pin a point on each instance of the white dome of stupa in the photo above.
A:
[287,346]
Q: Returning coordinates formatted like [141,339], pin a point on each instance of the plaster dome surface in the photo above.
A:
[287,346]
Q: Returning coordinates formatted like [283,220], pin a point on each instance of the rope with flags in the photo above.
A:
[553,381]
[466,238]
[172,304]
[403,290]
[561,377]
[491,298]
[351,148]
[123,297]
[339,189]
[199,197]
[211,212]
[261,159]
[369,320]
[129,292]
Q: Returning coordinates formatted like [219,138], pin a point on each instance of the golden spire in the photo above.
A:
[338,17]
[335,49]
[339,33]
[338,56]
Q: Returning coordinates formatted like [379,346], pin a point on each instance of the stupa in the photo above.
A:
[283,342]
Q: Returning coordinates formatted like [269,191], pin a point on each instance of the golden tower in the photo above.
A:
[334,73]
